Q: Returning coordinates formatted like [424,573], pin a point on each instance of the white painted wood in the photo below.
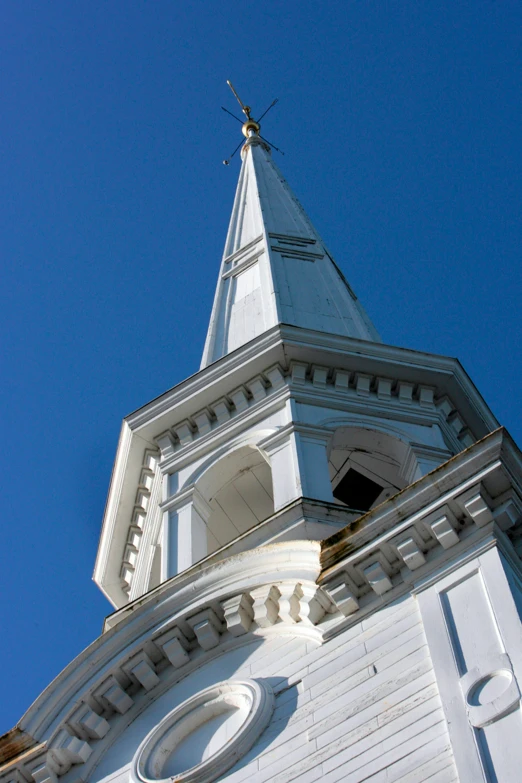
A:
[381,690]
[413,767]
[223,528]
[264,407]
[236,508]
[469,616]
[439,770]
[391,622]
[313,464]
[275,268]
[372,701]
[286,480]
[255,489]
[377,691]
[184,538]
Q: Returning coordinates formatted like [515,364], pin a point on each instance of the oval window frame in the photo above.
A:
[192,712]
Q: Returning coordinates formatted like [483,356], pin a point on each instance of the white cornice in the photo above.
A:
[213,377]
[280,348]
[227,433]
[116,486]
[466,506]
[470,467]
[186,594]
[290,343]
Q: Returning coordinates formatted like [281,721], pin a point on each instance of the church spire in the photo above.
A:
[275,267]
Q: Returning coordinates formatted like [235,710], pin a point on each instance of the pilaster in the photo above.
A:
[286,479]
[184,532]
[299,464]
[475,639]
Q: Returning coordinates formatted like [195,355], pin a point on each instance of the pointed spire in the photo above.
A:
[275,267]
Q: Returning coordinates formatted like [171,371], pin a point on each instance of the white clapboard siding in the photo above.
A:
[440,769]
[362,707]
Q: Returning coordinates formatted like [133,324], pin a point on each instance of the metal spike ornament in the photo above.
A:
[251,127]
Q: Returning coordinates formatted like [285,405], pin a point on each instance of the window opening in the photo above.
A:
[357,491]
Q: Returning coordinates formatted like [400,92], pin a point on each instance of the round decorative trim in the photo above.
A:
[248,703]
[490,692]
[480,693]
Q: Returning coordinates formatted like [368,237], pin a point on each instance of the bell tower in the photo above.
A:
[299,420]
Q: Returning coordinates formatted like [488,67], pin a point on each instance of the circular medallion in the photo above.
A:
[489,688]
[203,737]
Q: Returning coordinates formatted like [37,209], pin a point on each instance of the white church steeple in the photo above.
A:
[275,267]
[313,546]
[299,419]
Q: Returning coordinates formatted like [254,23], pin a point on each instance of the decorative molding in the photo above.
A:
[87,724]
[238,613]
[481,715]
[377,578]
[434,378]
[255,699]
[139,517]
[319,379]
[343,595]
[234,403]
[270,608]
[473,633]
[238,256]
[274,590]
[413,547]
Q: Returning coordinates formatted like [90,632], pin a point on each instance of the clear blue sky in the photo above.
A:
[400,123]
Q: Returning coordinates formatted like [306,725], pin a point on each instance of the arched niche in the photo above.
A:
[367,466]
[238,493]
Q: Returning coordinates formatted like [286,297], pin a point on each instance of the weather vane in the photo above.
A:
[251,127]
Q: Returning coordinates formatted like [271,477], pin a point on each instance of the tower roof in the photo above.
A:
[275,267]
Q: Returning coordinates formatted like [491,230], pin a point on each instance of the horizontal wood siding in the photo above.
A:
[362,707]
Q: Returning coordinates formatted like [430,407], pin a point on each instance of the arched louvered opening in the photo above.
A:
[238,491]
[366,467]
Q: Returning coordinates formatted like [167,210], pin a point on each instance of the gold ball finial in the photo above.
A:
[250,127]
